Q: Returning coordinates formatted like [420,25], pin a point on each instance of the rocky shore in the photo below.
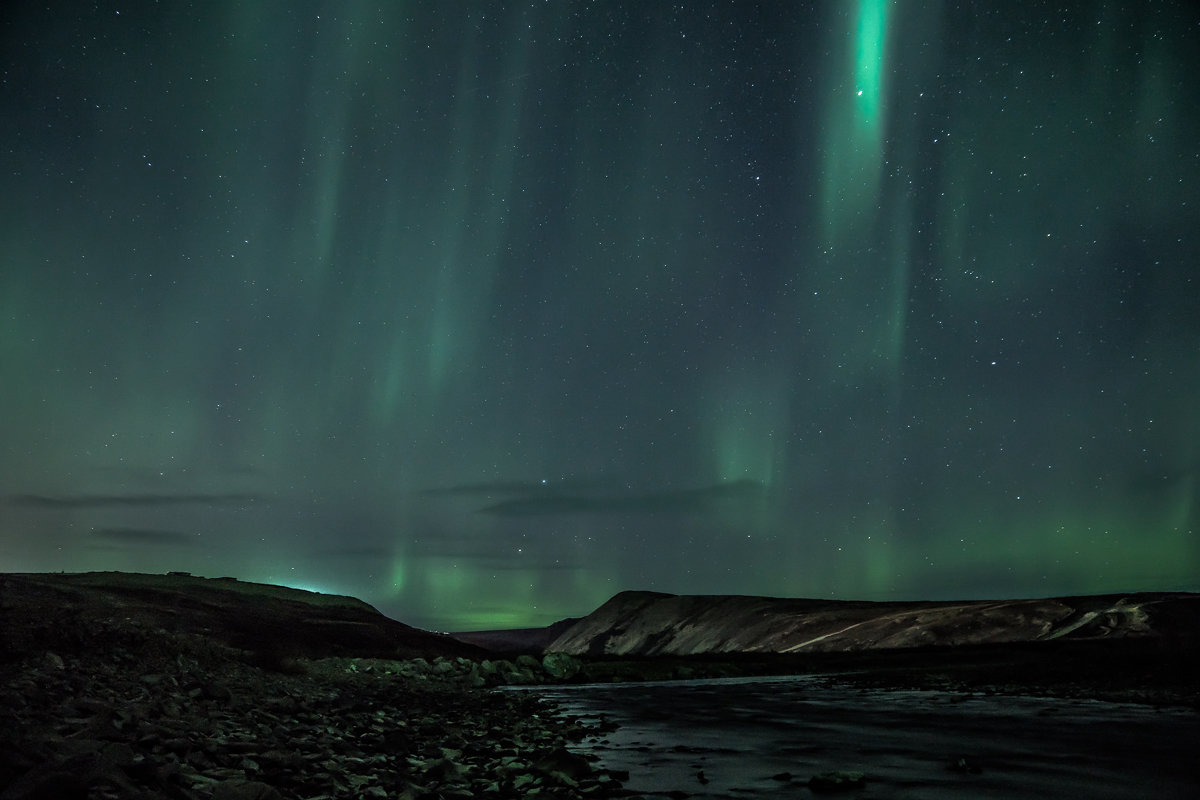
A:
[162,716]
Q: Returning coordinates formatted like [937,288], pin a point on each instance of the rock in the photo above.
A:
[442,770]
[963,765]
[46,783]
[837,781]
[245,790]
[563,762]
[521,781]
[94,763]
[561,666]
[518,674]
[217,691]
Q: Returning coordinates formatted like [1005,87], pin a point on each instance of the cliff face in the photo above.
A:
[651,624]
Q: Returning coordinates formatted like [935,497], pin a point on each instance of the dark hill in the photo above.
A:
[72,611]
[517,640]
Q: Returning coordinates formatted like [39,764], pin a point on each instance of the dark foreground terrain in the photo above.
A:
[115,686]
[137,686]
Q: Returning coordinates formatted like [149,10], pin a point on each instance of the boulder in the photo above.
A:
[561,666]
[245,790]
[561,762]
[528,661]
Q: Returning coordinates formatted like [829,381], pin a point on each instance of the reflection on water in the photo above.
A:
[738,738]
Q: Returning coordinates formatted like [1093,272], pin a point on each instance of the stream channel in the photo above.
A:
[766,737]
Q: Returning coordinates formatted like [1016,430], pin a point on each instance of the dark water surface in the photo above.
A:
[743,734]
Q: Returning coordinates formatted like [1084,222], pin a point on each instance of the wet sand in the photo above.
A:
[759,737]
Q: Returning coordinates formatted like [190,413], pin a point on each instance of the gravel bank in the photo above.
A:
[171,719]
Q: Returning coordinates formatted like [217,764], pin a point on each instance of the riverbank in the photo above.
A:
[1116,670]
[164,721]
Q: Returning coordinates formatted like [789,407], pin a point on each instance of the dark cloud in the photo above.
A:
[144,536]
[353,552]
[494,487]
[677,501]
[511,487]
[1163,478]
[95,501]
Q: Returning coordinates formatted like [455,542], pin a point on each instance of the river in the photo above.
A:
[741,738]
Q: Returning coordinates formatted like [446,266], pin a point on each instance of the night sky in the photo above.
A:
[484,311]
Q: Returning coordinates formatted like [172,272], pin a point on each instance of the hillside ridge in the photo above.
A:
[636,623]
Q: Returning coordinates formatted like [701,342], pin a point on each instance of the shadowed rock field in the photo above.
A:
[117,686]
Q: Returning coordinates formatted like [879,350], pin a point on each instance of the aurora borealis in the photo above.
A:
[483,312]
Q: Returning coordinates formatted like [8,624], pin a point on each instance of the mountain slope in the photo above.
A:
[652,624]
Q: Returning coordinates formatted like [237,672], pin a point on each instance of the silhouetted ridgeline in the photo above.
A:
[62,612]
